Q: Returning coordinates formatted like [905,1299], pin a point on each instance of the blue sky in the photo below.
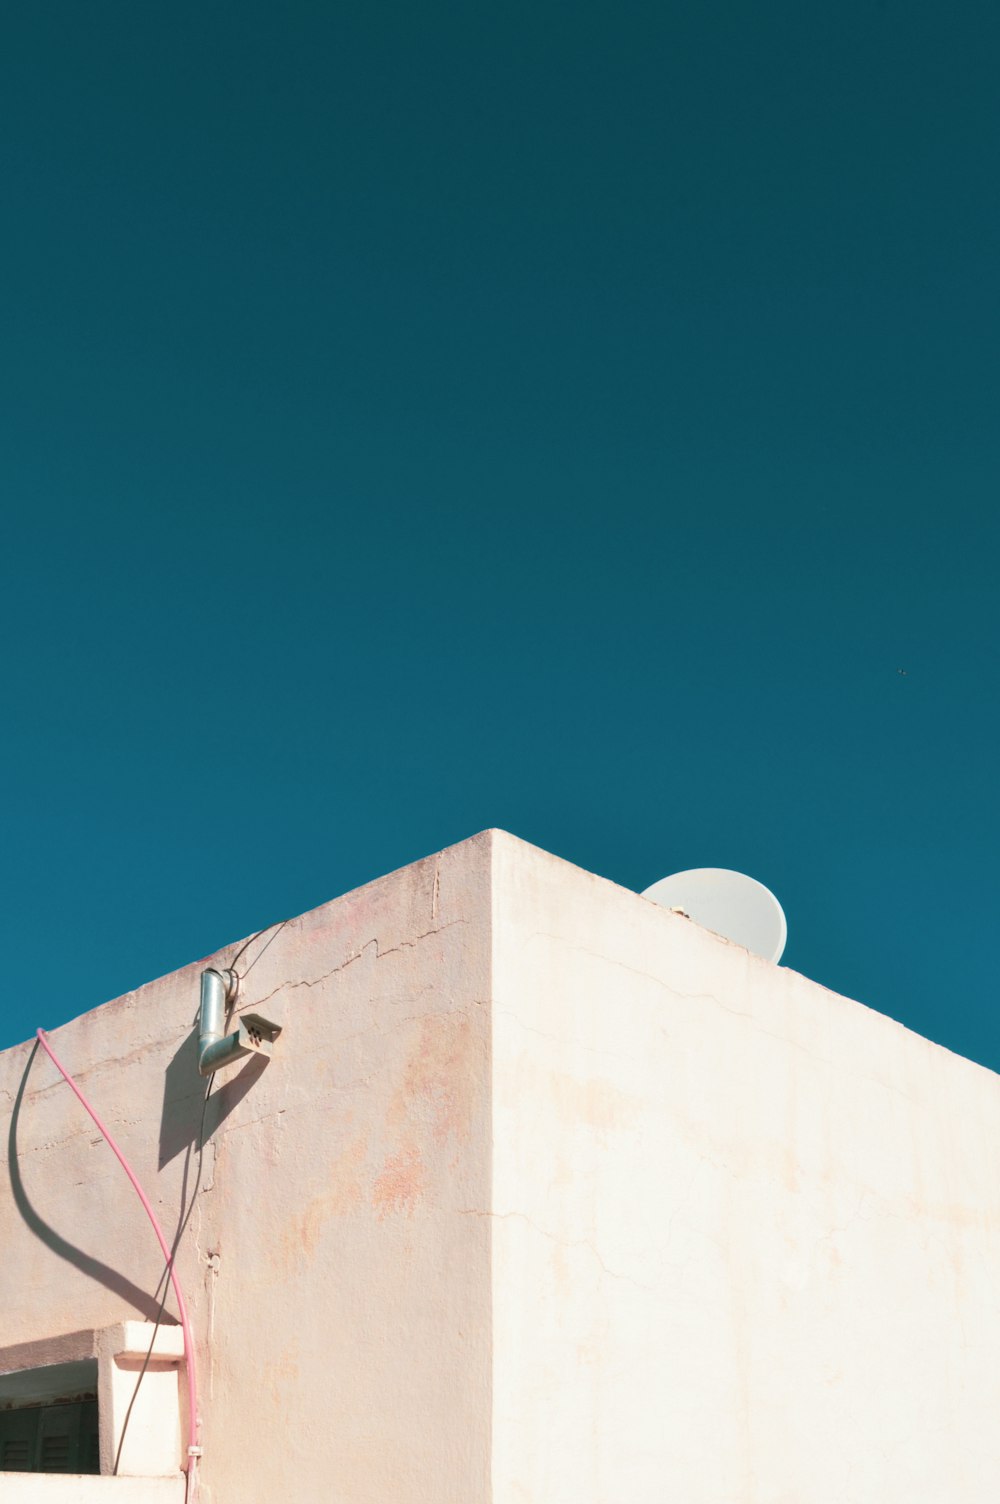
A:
[566,418]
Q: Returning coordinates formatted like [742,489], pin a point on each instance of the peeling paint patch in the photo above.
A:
[442,1075]
[400,1187]
[594,1103]
[343,1196]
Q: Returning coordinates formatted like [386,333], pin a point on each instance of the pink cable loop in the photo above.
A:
[194,1419]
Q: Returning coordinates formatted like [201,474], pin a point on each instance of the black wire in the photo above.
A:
[263,948]
[247,944]
[164,1280]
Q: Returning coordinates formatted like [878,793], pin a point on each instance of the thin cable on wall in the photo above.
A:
[194,1418]
[163,1284]
[278,927]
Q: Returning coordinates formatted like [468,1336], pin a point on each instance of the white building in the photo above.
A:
[546,1196]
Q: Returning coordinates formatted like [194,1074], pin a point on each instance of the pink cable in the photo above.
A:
[194,1419]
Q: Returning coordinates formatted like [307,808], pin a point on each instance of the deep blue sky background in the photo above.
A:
[562,417]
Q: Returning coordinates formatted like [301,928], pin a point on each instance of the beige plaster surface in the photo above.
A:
[546,1197]
[746,1231]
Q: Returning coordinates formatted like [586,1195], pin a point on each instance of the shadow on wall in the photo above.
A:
[191,1113]
[144,1303]
[184,1095]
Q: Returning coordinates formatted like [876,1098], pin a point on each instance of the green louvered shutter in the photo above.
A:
[50,1439]
[58,1439]
[90,1444]
[18,1439]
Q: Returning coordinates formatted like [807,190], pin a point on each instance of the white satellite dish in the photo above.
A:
[731,904]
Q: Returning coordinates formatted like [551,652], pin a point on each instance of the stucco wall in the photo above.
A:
[746,1232]
[546,1197]
[338,1290]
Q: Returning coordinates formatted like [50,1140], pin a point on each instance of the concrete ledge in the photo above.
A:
[130,1338]
[53,1488]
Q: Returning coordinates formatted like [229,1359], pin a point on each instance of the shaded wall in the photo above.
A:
[338,1290]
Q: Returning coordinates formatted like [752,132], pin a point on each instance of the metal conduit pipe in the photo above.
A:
[253,1034]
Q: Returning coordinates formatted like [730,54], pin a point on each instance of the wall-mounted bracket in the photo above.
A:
[257,1033]
[253,1035]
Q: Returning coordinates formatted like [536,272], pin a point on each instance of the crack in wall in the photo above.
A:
[552,1237]
[350,960]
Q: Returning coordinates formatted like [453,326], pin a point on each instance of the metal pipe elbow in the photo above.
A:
[253,1034]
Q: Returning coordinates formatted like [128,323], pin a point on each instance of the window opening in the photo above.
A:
[57,1438]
